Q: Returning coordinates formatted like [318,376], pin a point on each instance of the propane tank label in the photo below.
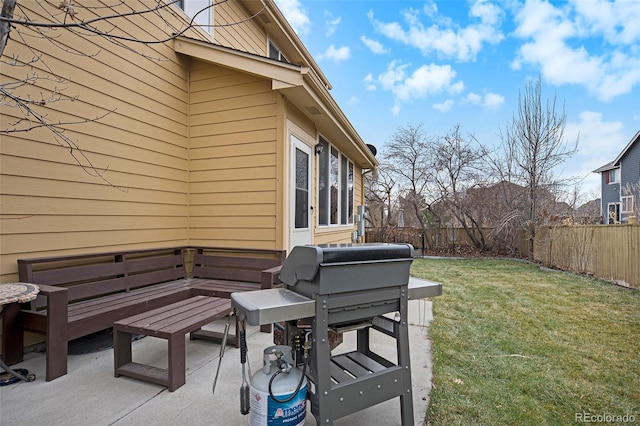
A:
[266,411]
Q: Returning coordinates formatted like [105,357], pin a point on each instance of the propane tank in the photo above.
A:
[289,387]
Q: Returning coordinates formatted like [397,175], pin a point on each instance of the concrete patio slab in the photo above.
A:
[90,394]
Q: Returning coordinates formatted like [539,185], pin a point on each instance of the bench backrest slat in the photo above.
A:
[148,270]
[155,277]
[235,264]
[93,289]
[92,275]
[146,264]
[78,273]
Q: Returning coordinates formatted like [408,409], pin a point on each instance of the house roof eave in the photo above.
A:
[633,140]
[239,60]
[606,167]
[303,87]
[331,123]
[284,34]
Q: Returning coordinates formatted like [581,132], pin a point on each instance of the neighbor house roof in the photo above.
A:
[616,163]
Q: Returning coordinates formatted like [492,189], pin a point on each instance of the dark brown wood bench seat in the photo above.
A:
[220,288]
[83,294]
[218,272]
[170,322]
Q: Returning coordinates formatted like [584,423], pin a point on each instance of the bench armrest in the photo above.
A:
[49,290]
[54,324]
[57,312]
[271,277]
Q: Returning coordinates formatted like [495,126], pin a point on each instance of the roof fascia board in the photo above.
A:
[243,61]
[285,30]
[626,148]
[341,119]
[606,167]
[329,107]
[283,76]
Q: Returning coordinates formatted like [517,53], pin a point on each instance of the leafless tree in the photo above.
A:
[533,145]
[408,155]
[631,200]
[457,169]
[43,20]
[378,192]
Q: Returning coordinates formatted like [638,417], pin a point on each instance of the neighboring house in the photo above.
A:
[490,205]
[226,138]
[620,183]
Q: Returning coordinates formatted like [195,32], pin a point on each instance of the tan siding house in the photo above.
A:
[200,140]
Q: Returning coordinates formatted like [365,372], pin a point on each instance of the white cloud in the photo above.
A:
[444,106]
[430,8]
[428,79]
[425,81]
[602,140]
[617,21]
[373,45]
[442,36]
[369,83]
[331,24]
[556,44]
[488,101]
[337,54]
[599,142]
[296,15]
[493,100]
[489,13]
[473,99]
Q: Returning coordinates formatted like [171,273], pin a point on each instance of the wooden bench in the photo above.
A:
[83,294]
[218,272]
[170,322]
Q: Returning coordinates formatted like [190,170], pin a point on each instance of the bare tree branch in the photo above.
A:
[93,20]
[533,144]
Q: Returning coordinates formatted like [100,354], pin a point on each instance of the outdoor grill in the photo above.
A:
[333,289]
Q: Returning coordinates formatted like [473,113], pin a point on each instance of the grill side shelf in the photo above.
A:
[272,305]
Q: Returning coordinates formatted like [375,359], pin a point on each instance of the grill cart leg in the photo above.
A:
[351,382]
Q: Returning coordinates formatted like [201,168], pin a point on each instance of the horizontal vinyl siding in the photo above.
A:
[630,169]
[232,159]
[336,236]
[235,29]
[50,202]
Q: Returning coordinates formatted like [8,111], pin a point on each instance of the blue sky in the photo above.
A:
[444,63]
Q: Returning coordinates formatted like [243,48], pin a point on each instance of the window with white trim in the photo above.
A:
[335,186]
[195,8]
[275,53]
[613,176]
[627,204]
[346,191]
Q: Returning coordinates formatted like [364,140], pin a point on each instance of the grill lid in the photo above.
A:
[304,262]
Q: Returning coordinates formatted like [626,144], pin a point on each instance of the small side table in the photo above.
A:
[10,294]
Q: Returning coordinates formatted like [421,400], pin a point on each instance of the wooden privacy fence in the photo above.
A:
[610,252]
[447,237]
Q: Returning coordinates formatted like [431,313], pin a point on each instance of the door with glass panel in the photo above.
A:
[300,194]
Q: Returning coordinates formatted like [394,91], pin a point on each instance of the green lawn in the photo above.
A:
[514,344]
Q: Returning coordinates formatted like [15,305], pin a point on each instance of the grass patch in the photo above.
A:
[514,344]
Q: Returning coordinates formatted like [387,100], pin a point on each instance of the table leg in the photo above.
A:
[5,367]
